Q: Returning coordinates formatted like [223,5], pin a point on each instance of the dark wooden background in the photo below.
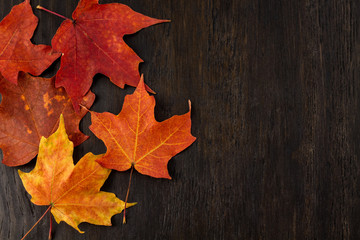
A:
[275,89]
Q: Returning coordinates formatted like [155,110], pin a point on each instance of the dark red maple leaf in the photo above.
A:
[17,53]
[30,110]
[93,43]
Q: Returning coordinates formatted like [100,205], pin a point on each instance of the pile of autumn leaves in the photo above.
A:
[38,116]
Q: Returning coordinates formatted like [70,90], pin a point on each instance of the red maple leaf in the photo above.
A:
[93,43]
[30,110]
[17,53]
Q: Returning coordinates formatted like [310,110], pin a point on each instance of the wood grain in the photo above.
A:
[276,110]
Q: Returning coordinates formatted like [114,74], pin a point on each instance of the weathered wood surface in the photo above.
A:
[275,89]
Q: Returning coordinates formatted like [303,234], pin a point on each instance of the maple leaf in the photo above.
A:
[30,110]
[93,43]
[71,192]
[135,138]
[17,53]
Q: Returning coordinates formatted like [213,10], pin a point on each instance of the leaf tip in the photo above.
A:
[131,204]
[61,122]
[141,79]
[20,172]
[162,21]
[189,105]
[77,228]
[141,84]
[61,127]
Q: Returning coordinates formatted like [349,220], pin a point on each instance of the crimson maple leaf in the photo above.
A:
[17,53]
[93,43]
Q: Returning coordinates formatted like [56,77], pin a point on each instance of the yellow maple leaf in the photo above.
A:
[71,192]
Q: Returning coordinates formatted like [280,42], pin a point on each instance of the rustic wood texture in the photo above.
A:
[275,89]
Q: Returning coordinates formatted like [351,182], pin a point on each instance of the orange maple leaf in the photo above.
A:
[71,192]
[135,138]
[30,110]
[17,53]
[93,43]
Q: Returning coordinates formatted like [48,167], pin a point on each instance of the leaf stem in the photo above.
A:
[84,107]
[37,222]
[50,230]
[56,14]
[127,194]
